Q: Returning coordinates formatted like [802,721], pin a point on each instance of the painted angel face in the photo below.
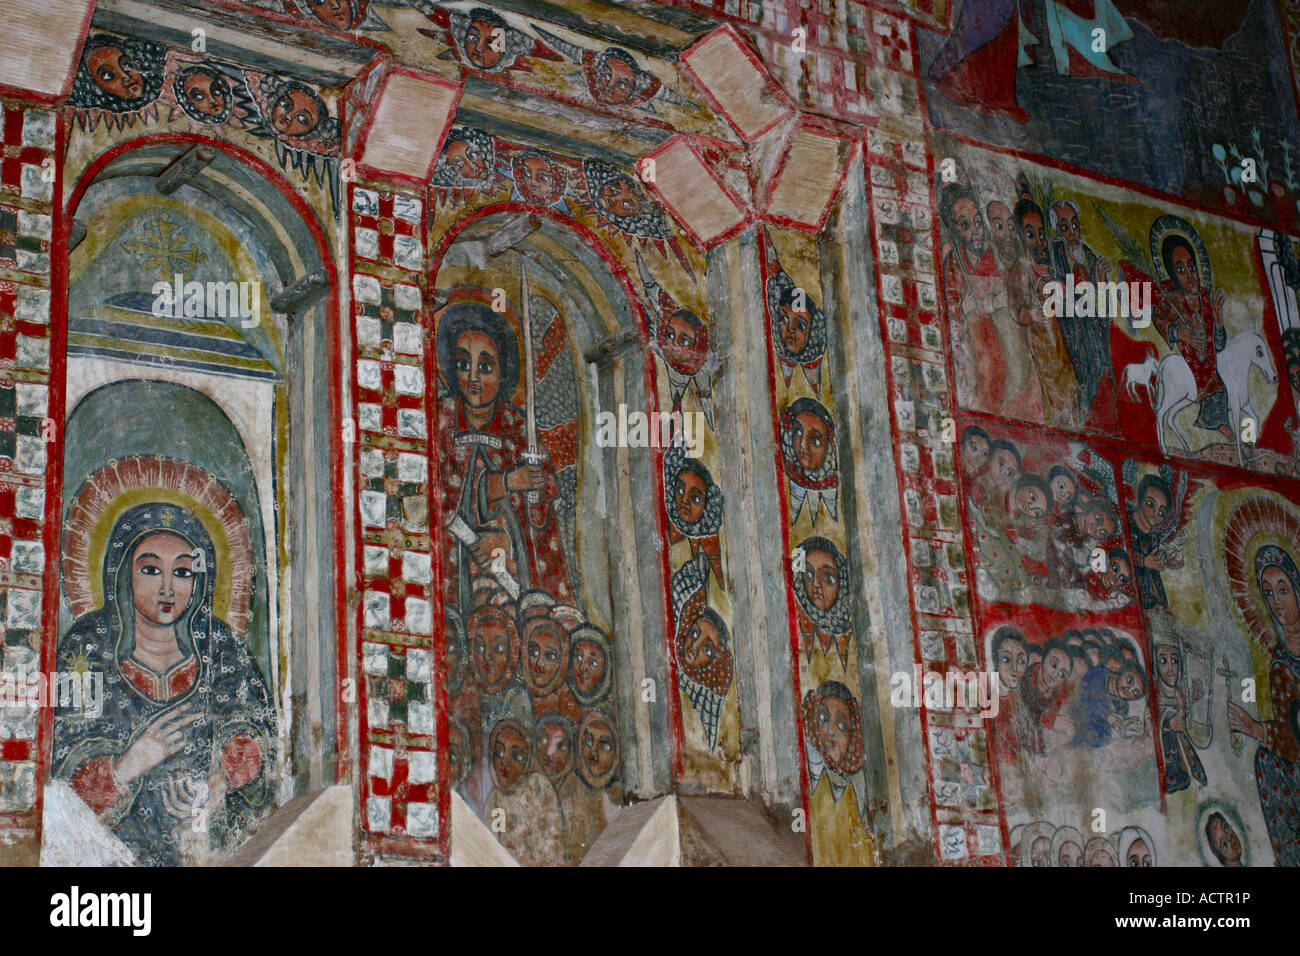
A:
[333,13]
[545,655]
[553,748]
[1280,595]
[206,93]
[537,180]
[615,82]
[821,578]
[975,453]
[835,728]
[679,338]
[466,161]
[689,496]
[114,73]
[1070,854]
[1186,273]
[509,756]
[1154,507]
[1139,854]
[1011,663]
[490,639]
[794,327]
[588,666]
[484,45]
[598,747]
[702,645]
[162,578]
[620,197]
[811,439]
[478,369]
[295,113]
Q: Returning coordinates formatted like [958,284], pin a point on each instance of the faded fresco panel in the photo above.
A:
[1170,98]
[1087,307]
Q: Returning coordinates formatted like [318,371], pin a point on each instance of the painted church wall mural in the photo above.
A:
[514,416]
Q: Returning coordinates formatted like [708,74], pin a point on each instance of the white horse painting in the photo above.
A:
[1175,386]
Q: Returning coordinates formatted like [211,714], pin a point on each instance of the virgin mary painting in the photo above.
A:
[1277,761]
[180,762]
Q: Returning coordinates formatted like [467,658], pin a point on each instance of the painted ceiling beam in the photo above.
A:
[257,40]
[190,164]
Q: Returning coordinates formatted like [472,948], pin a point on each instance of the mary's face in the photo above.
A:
[1280,596]
[545,656]
[478,369]
[114,73]
[162,578]
[589,664]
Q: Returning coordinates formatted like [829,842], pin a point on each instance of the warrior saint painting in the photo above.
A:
[181,760]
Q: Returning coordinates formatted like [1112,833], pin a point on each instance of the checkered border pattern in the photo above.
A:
[29,438]
[969,823]
[389,452]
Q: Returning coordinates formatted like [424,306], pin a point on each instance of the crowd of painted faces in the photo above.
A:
[1078,689]
[1045,531]
[535,657]
[1042,844]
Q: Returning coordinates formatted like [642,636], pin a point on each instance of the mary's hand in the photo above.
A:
[164,737]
